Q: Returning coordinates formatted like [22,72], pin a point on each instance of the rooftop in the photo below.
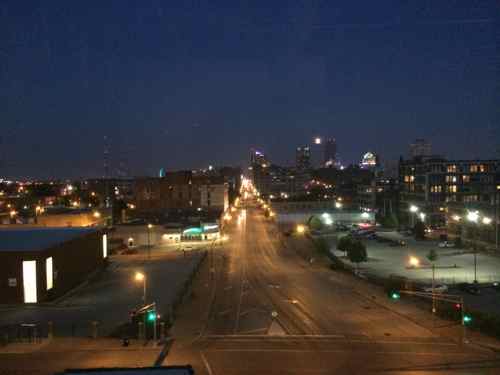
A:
[37,239]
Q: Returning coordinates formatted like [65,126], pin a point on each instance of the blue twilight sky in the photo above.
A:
[182,84]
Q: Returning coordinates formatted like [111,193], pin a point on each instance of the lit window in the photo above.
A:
[49,271]
[104,245]
[452,168]
[473,168]
[29,281]
[466,178]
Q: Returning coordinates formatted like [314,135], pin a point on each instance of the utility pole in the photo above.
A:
[497,192]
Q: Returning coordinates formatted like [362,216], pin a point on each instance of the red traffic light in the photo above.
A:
[458,306]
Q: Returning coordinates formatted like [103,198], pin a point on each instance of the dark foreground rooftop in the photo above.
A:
[37,239]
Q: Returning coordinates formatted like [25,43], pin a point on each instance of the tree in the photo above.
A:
[357,252]
[344,243]
[322,246]
[315,223]
[432,255]
[390,221]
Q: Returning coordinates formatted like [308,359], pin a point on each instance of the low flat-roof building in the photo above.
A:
[38,264]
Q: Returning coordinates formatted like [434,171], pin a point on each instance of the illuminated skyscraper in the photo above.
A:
[303,157]
[330,152]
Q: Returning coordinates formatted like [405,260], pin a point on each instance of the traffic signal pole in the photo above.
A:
[446,298]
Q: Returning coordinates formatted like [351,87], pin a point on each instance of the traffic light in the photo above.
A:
[467,319]
[458,306]
[151,317]
[394,294]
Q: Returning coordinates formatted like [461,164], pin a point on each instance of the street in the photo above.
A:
[270,311]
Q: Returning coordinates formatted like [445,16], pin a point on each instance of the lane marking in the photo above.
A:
[463,354]
[207,365]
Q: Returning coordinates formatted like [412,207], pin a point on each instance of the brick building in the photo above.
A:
[38,264]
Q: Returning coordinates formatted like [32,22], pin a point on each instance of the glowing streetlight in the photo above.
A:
[338,205]
[12,213]
[140,277]
[422,216]
[456,217]
[473,216]
[301,229]
[413,208]
[414,261]
[97,214]
[487,220]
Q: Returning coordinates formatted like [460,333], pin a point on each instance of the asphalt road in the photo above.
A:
[320,324]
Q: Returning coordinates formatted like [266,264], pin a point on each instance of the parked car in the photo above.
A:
[395,243]
[439,288]
[469,288]
[446,244]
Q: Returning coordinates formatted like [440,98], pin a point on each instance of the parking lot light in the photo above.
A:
[139,276]
[414,261]
[487,220]
[473,216]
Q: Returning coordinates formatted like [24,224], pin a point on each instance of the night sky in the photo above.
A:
[201,82]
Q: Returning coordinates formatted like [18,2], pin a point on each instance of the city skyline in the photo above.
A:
[161,81]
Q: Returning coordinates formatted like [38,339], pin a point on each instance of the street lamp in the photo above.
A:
[473,217]
[414,262]
[338,205]
[301,229]
[139,276]
[487,220]
[413,210]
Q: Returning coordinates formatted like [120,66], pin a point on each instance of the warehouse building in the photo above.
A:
[39,264]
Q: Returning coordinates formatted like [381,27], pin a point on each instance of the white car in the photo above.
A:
[439,288]
[445,244]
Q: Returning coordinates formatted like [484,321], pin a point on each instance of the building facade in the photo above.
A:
[303,158]
[330,152]
[441,188]
[180,191]
[38,264]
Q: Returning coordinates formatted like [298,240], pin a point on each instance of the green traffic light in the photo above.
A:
[395,295]
[467,319]
[151,316]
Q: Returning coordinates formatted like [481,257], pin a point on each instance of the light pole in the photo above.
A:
[497,193]
[473,217]
[38,210]
[139,276]
[149,240]
[413,210]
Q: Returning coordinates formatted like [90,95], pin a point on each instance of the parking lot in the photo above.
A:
[452,267]
[109,298]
